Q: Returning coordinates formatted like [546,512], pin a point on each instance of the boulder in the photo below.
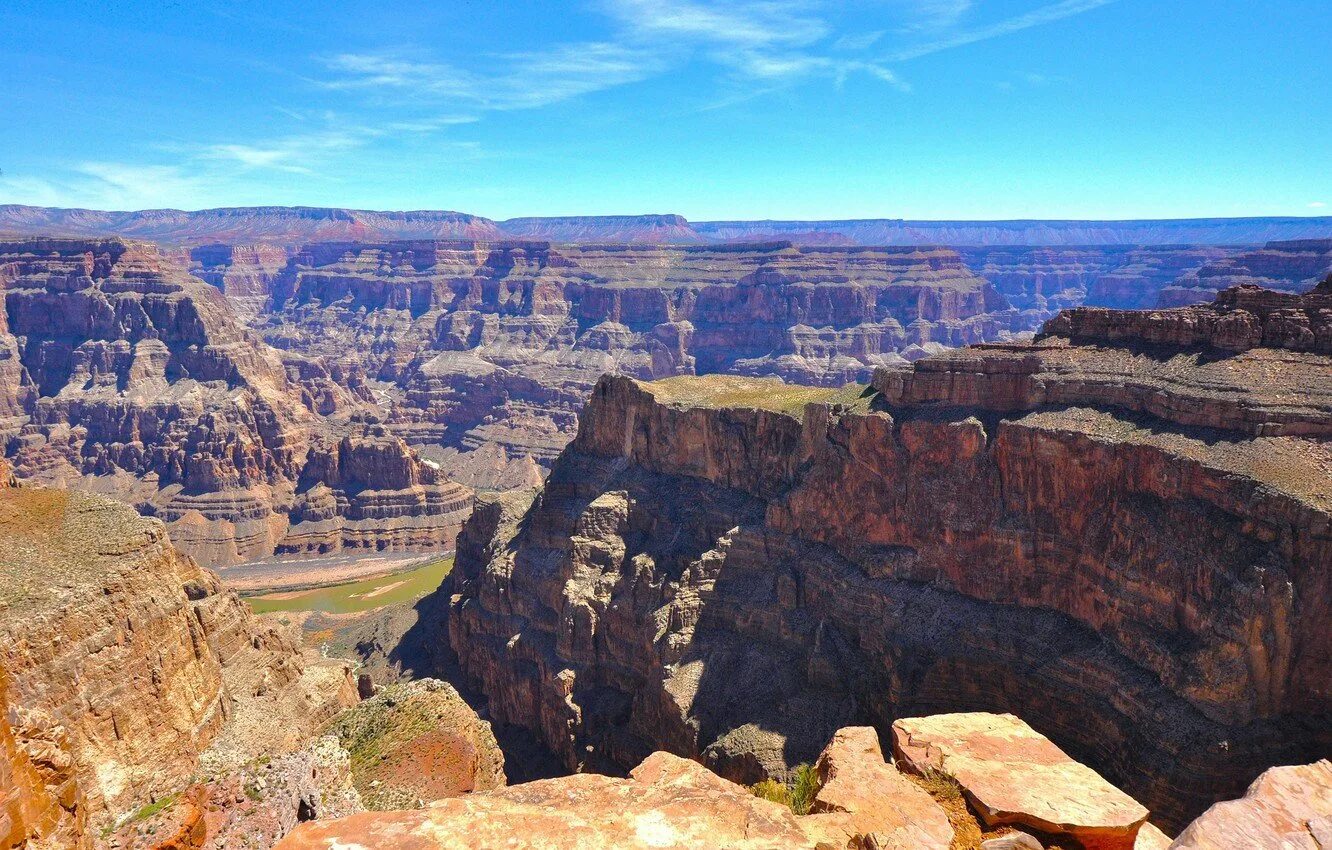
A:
[1287,807]
[885,806]
[1012,774]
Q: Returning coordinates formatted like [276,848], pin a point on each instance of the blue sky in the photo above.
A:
[746,109]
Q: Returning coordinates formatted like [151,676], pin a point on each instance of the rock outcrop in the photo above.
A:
[1013,775]
[416,742]
[887,809]
[1293,267]
[127,661]
[667,801]
[1287,808]
[244,273]
[128,377]
[1119,532]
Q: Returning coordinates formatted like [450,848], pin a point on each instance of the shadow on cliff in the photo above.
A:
[423,651]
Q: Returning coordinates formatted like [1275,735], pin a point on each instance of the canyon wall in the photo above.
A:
[125,375]
[125,661]
[1292,266]
[484,344]
[298,225]
[1049,279]
[1119,532]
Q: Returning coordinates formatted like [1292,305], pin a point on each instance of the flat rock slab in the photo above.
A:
[668,802]
[1287,808]
[883,803]
[1014,775]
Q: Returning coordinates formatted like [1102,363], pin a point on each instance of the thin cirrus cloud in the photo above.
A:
[528,80]
[773,43]
[1037,17]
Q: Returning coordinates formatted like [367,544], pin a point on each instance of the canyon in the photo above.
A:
[733,513]
[1119,532]
[128,377]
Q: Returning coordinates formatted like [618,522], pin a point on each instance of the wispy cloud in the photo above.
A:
[1036,17]
[1317,205]
[522,81]
[931,15]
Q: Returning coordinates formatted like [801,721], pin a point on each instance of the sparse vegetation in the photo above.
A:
[719,391]
[798,793]
[772,791]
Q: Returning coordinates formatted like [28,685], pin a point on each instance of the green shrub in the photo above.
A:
[804,787]
[773,792]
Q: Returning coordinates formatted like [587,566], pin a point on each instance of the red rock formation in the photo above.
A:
[1012,775]
[499,343]
[1122,541]
[131,378]
[1287,807]
[41,804]
[132,657]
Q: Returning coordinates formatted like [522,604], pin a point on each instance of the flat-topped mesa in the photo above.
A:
[732,568]
[1291,266]
[130,377]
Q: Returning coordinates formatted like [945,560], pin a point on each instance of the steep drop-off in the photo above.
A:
[122,374]
[1121,533]
[126,661]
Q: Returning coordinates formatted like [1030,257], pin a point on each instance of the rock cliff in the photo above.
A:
[1119,532]
[1290,266]
[126,661]
[122,374]
[1050,279]
[498,344]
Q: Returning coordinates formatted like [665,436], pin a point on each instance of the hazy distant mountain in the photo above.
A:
[292,225]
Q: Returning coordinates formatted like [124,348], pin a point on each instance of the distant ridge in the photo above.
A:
[296,225]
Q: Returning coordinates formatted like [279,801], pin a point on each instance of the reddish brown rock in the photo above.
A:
[886,807]
[131,378]
[1287,807]
[667,802]
[133,660]
[1132,559]
[1013,775]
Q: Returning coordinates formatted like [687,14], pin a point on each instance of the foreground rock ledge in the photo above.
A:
[667,802]
[1012,774]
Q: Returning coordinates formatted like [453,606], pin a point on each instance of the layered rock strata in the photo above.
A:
[126,376]
[1293,267]
[1048,279]
[1119,532]
[484,344]
[131,656]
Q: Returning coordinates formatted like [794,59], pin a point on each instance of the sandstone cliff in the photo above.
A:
[1049,279]
[1290,266]
[1119,532]
[131,656]
[485,344]
[122,374]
